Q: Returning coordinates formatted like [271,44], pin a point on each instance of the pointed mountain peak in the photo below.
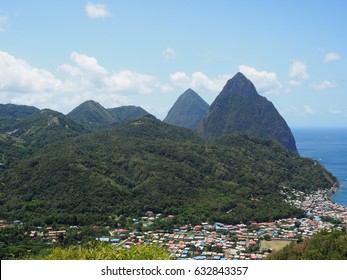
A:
[90,103]
[240,109]
[188,110]
[240,85]
[189,91]
[190,94]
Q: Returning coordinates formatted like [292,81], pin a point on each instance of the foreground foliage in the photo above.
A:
[104,251]
[323,246]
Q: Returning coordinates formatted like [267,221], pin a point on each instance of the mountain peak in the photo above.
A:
[189,91]
[91,113]
[240,109]
[240,85]
[188,110]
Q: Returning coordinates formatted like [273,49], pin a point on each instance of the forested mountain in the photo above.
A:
[46,126]
[240,109]
[188,110]
[11,113]
[94,116]
[91,114]
[145,164]
[16,111]
[124,113]
[95,164]
[20,138]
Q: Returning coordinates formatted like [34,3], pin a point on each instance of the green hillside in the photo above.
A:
[10,114]
[16,111]
[22,137]
[145,164]
[322,246]
[47,126]
[91,114]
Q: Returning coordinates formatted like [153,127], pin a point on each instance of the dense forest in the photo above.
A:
[323,246]
[78,177]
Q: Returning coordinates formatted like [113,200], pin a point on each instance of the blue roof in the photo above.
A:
[200,258]
[103,239]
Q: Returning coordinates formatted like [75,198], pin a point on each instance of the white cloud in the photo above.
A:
[130,81]
[180,79]
[88,64]
[18,76]
[97,10]
[323,85]
[88,74]
[84,79]
[335,112]
[265,82]
[308,110]
[86,71]
[298,73]
[199,81]
[169,53]
[3,23]
[332,56]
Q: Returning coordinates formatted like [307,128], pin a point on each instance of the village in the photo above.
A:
[240,241]
[220,241]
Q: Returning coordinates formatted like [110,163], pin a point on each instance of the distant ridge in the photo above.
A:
[92,115]
[240,109]
[188,111]
[124,113]
[16,111]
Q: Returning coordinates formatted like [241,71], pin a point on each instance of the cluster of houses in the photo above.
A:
[240,241]
[48,233]
[318,205]
[219,241]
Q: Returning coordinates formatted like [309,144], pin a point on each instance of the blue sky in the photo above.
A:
[57,54]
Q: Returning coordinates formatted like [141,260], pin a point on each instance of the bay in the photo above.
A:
[329,147]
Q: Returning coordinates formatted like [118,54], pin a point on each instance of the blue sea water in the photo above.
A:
[329,146]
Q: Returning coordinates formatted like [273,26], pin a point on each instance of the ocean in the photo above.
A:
[329,147]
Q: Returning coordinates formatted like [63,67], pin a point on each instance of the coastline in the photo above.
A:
[328,146]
